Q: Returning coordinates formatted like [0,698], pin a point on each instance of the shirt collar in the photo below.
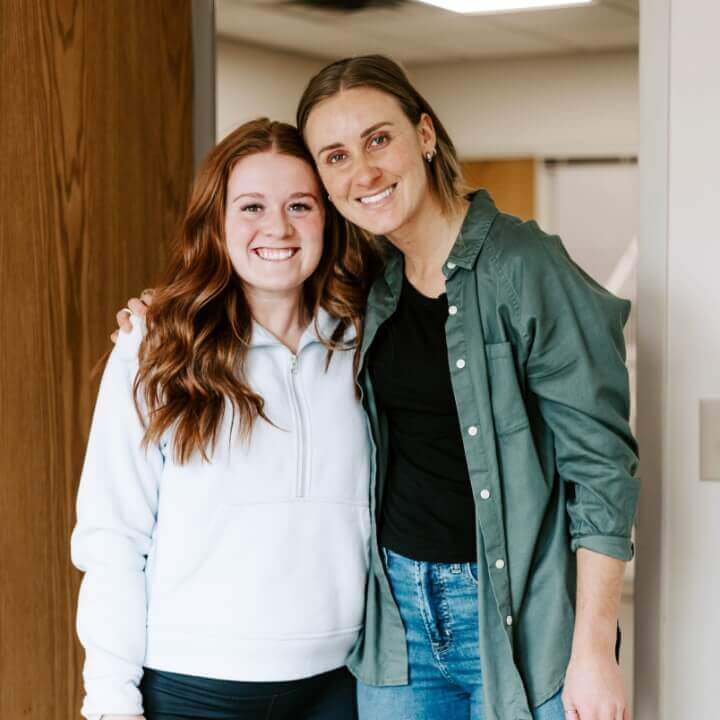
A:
[478,220]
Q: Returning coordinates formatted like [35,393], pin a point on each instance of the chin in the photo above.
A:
[378,224]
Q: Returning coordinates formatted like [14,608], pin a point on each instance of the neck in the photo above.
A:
[284,315]
[426,240]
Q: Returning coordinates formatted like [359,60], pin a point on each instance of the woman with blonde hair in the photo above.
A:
[503,493]
[222,520]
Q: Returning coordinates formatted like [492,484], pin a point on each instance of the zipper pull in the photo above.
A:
[293,364]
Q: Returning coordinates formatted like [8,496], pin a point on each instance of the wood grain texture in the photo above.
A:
[510,182]
[95,164]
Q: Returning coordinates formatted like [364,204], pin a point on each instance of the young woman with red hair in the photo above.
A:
[222,520]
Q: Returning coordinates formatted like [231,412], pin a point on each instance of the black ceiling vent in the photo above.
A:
[348,6]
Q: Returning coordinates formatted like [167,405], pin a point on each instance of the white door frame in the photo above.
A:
[650,578]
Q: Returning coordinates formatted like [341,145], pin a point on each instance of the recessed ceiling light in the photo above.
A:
[477,7]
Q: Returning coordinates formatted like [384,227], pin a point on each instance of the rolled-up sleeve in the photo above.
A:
[576,370]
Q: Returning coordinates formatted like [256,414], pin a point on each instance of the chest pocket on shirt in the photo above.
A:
[508,406]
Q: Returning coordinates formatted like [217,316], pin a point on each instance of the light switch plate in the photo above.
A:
[710,439]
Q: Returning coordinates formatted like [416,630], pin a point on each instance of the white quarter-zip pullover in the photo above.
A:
[249,567]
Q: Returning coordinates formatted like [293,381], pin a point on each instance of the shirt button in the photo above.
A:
[484,494]
[499,564]
[453,309]
[508,620]
[472,431]
[460,364]
[451,265]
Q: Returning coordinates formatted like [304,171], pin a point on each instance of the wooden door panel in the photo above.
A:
[510,182]
[96,149]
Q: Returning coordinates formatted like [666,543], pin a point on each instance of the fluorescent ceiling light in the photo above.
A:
[499,6]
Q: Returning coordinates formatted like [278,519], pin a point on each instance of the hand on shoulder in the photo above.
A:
[135,306]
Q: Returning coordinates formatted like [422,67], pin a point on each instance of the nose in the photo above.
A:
[366,173]
[277,225]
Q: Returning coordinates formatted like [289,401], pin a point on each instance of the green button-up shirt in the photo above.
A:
[543,403]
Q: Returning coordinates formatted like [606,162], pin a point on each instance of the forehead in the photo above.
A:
[272,173]
[349,113]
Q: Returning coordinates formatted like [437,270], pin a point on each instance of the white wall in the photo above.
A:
[681,194]
[544,107]
[548,106]
[253,82]
[692,531]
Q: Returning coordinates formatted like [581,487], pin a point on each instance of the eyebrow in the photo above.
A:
[363,134]
[260,196]
[248,195]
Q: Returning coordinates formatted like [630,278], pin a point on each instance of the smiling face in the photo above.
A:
[273,224]
[370,158]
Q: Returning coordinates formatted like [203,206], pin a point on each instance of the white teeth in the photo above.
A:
[370,199]
[275,254]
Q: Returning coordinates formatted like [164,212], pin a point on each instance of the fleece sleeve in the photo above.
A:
[116,514]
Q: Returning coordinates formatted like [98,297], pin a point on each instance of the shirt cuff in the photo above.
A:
[620,548]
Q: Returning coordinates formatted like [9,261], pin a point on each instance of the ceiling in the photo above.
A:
[417,33]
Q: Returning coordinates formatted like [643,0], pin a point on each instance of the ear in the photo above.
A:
[426,133]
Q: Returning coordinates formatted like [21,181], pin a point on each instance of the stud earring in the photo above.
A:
[428,156]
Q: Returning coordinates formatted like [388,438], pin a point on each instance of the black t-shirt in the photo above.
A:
[428,511]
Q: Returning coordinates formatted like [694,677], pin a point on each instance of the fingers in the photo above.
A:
[123,321]
[147,296]
[571,712]
[137,306]
[620,713]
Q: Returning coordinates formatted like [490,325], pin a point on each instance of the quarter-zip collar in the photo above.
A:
[326,324]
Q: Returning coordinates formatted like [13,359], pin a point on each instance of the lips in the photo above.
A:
[377,198]
[276,254]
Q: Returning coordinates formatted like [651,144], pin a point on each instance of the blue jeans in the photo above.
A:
[438,607]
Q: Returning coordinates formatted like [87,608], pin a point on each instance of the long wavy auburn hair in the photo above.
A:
[192,360]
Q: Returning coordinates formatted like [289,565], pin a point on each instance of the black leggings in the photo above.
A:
[171,696]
